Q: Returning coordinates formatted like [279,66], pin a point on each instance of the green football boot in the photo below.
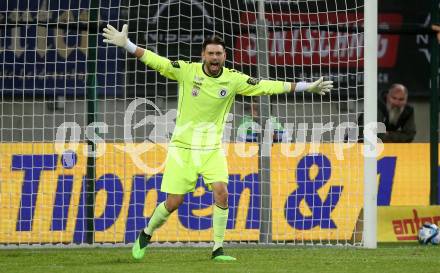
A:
[139,246]
[219,255]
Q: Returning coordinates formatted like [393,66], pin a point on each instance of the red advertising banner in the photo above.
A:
[307,43]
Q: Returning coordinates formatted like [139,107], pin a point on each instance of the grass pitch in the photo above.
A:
[385,259]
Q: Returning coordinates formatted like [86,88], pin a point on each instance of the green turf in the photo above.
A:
[385,259]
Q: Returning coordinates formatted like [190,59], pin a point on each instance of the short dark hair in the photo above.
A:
[216,40]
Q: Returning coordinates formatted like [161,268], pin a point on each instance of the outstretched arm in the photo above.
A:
[169,69]
[248,86]
[120,38]
[320,86]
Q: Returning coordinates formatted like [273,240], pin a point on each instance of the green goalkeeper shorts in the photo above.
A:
[183,166]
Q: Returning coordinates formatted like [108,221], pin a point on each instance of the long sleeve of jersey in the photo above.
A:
[249,86]
[167,68]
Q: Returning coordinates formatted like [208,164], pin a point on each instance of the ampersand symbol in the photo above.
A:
[308,191]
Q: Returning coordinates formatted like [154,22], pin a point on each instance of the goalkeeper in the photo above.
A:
[206,93]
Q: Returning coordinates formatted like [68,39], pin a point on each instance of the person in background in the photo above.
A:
[436,28]
[397,116]
[248,130]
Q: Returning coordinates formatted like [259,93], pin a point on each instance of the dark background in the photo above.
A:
[177,29]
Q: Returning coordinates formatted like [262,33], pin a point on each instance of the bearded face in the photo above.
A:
[214,57]
[394,113]
[396,101]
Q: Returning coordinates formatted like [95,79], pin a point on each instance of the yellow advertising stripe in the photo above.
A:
[401,223]
[337,175]
[345,172]
[11,182]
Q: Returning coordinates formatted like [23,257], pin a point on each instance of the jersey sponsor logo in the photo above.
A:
[175,64]
[223,92]
[253,81]
[195,92]
[197,81]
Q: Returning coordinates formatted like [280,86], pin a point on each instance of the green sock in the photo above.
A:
[159,217]
[219,221]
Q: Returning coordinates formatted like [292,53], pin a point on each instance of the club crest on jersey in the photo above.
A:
[223,92]
[195,92]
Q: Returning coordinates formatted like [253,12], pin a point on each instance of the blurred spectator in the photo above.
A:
[249,129]
[436,28]
[396,114]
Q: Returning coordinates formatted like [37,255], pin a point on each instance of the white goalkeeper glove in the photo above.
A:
[317,87]
[118,38]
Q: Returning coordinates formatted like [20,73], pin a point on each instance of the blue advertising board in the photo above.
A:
[44,45]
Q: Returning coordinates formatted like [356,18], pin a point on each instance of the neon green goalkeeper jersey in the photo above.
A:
[204,101]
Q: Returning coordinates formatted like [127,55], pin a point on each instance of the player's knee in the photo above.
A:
[222,202]
[173,202]
[221,198]
[172,206]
